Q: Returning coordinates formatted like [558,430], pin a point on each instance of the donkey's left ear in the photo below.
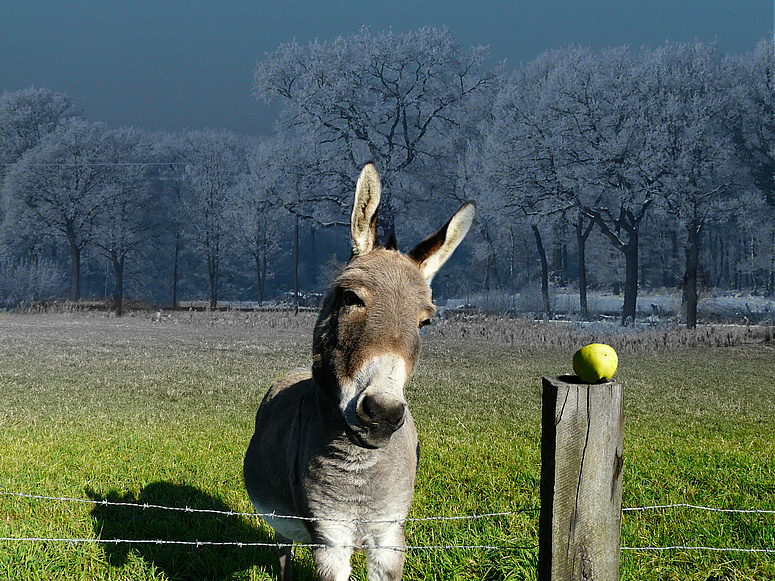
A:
[363,220]
[433,252]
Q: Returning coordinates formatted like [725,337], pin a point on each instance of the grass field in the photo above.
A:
[131,410]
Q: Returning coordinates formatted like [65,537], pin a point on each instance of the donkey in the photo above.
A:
[333,459]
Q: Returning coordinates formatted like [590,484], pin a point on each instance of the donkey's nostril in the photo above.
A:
[369,408]
[375,410]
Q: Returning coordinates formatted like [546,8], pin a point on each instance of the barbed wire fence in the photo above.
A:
[197,543]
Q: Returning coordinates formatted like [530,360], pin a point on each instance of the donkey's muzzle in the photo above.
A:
[379,417]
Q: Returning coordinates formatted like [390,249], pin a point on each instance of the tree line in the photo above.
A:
[605,169]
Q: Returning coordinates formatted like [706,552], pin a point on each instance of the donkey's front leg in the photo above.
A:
[385,561]
[332,563]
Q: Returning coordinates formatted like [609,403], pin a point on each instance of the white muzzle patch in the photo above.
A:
[372,402]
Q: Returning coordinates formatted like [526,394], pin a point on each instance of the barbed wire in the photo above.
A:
[149,542]
[401,548]
[146,505]
[187,509]
[698,507]
[691,548]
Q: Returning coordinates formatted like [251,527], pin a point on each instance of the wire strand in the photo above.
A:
[401,548]
[698,507]
[691,548]
[356,547]
[146,506]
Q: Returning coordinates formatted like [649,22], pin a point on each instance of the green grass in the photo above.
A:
[130,410]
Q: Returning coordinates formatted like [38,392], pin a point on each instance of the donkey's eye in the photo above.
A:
[351,299]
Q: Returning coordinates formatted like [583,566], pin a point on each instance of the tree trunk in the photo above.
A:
[717,253]
[771,279]
[669,258]
[118,291]
[630,251]
[630,223]
[175,259]
[75,272]
[259,253]
[212,275]
[296,265]
[690,274]
[513,263]
[492,278]
[544,272]
[260,275]
[559,260]
[581,239]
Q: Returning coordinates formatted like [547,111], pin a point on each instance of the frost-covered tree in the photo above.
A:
[698,174]
[389,98]
[26,117]
[215,160]
[603,136]
[170,154]
[567,138]
[599,104]
[751,121]
[526,164]
[258,215]
[302,180]
[130,210]
[754,228]
[59,188]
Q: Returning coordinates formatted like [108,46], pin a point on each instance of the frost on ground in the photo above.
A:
[652,307]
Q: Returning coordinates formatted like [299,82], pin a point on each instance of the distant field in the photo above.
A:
[132,410]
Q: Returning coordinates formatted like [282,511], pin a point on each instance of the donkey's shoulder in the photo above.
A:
[299,379]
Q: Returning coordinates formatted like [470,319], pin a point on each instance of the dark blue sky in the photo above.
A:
[171,64]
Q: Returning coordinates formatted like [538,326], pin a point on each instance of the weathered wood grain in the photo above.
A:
[581,480]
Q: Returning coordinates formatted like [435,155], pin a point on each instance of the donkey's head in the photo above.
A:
[366,340]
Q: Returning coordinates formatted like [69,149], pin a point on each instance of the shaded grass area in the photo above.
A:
[161,413]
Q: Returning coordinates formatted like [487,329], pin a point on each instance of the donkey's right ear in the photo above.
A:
[433,252]
[363,221]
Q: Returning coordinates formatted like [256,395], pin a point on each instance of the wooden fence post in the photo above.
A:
[581,480]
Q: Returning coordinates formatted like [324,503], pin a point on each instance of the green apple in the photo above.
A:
[595,362]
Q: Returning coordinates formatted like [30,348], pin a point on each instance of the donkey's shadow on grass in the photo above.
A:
[183,562]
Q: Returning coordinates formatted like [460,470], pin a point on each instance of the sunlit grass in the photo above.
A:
[135,411]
